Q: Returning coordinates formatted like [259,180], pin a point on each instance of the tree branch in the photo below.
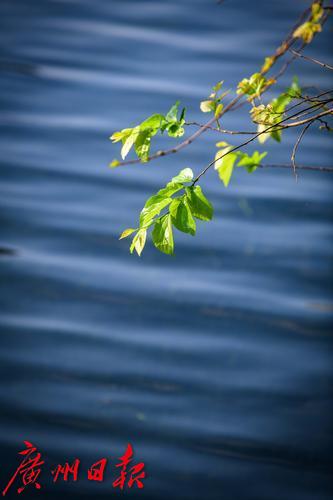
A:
[248,142]
[311,59]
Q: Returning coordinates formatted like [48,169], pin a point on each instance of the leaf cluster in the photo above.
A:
[225,161]
[254,86]
[307,30]
[141,135]
[274,112]
[213,104]
[179,212]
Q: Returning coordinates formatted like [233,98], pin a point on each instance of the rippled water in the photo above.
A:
[214,364]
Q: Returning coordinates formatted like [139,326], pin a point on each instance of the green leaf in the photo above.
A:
[224,164]
[251,162]
[152,123]
[153,207]
[254,85]
[200,207]
[171,116]
[139,241]
[121,136]
[127,232]
[307,30]
[317,11]
[185,175]
[218,86]
[142,145]
[162,235]
[276,135]
[128,143]
[175,130]
[181,216]
[170,189]
[218,110]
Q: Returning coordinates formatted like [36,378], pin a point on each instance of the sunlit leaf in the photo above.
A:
[153,207]
[171,116]
[181,216]
[122,135]
[218,110]
[162,235]
[251,162]
[152,123]
[142,144]
[127,232]
[307,31]
[207,106]
[129,142]
[139,241]
[185,175]
[200,207]
[170,189]
[175,130]
[224,164]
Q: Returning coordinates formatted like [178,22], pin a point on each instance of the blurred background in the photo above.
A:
[216,364]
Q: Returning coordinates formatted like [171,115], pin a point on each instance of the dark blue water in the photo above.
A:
[215,364]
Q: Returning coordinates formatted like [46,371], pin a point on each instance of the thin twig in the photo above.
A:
[316,168]
[253,132]
[188,141]
[297,143]
[281,50]
[246,143]
[306,120]
[311,59]
[221,130]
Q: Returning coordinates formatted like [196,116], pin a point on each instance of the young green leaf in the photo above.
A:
[153,207]
[218,110]
[128,143]
[162,235]
[224,164]
[181,216]
[121,136]
[127,232]
[154,122]
[139,241]
[170,189]
[251,162]
[175,130]
[142,145]
[200,207]
[171,115]
[185,175]
[218,86]
[254,86]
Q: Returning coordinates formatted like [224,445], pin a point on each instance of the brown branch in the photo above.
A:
[188,141]
[247,142]
[311,59]
[280,51]
[316,168]
[221,130]
[306,120]
[253,132]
